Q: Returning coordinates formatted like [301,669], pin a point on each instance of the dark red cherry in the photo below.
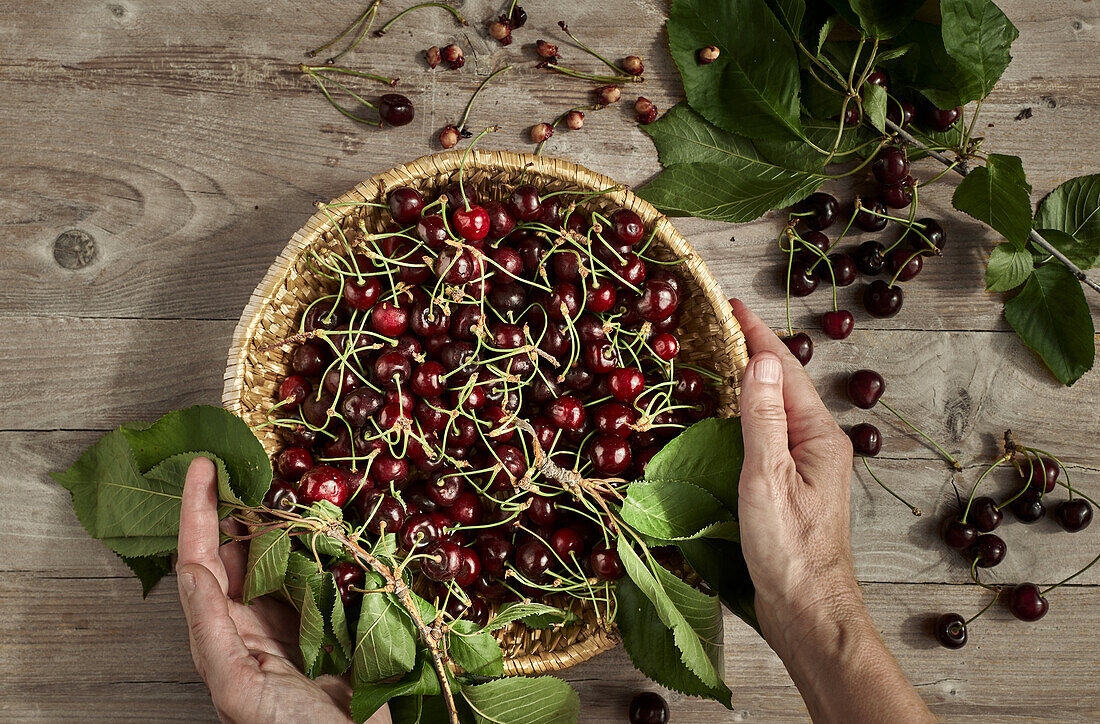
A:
[950,631]
[362,295]
[800,281]
[611,455]
[525,204]
[601,357]
[866,439]
[383,513]
[628,226]
[443,562]
[564,301]
[689,386]
[566,543]
[427,380]
[820,209]
[939,120]
[470,568]
[445,489]
[494,553]
[542,511]
[348,575]
[533,559]
[648,708]
[419,531]
[890,166]
[989,550]
[605,563]
[882,300]
[658,301]
[307,359]
[471,224]
[293,462]
[865,387]
[405,205]
[615,418]
[1026,602]
[870,258]
[432,230]
[1029,508]
[323,482]
[392,369]
[566,412]
[395,109]
[900,113]
[389,319]
[666,346]
[600,298]
[838,324]
[934,237]
[1041,473]
[1073,515]
[878,78]
[899,195]
[959,535]
[985,514]
[626,383]
[801,346]
[429,320]
[282,495]
[294,390]
[844,270]
[904,263]
[869,221]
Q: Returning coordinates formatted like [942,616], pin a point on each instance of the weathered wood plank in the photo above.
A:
[118,658]
[199,202]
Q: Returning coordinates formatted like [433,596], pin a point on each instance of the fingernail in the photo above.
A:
[187,582]
[767,369]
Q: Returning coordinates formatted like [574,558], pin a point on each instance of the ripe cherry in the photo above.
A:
[865,387]
[362,295]
[533,559]
[471,224]
[866,439]
[293,462]
[419,531]
[600,298]
[542,511]
[294,390]
[900,112]
[605,563]
[564,301]
[1029,508]
[395,109]
[1041,471]
[470,568]
[615,418]
[566,412]
[392,369]
[648,708]
[666,346]
[844,270]
[347,575]
[940,120]
[323,482]
[1073,515]
[307,359]
[890,166]
[934,237]
[494,553]
[627,226]
[899,195]
[882,300]
[658,300]
[282,495]
[801,282]
[1026,602]
[689,386]
[959,535]
[566,543]
[869,221]
[989,550]
[904,263]
[525,204]
[443,562]
[870,258]
[985,514]
[801,346]
[427,380]
[838,324]
[951,631]
[389,319]
[601,357]
[406,204]
[611,455]
[820,209]
[626,383]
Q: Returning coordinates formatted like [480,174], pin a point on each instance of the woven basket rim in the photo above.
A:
[732,358]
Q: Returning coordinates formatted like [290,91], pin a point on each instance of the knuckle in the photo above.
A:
[764,410]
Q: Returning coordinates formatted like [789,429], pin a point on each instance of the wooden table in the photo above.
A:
[156,155]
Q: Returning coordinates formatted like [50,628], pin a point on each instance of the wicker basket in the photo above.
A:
[709,335]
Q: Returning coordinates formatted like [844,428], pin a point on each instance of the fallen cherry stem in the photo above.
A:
[457,16]
[1067,579]
[914,509]
[947,456]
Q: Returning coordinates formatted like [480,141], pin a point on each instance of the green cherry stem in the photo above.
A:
[996,463]
[482,84]
[457,16]
[946,455]
[590,51]
[1067,579]
[914,509]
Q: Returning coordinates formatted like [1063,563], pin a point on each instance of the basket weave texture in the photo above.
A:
[709,334]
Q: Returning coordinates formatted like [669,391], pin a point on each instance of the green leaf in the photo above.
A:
[710,191]
[694,617]
[721,565]
[1080,254]
[673,510]
[752,88]
[268,555]
[929,69]
[338,622]
[311,628]
[385,643]
[798,155]
[884,19]
[707,454]
[1008,268]
[790,13]
[367,698]
[476,651]
[874,105]
[149,570]
[823,33]
[979,36]
[522,700]
[1052,317]
[998,194]
[205,427]
[1074,208]
[303,575]
[517,611]
[651,647]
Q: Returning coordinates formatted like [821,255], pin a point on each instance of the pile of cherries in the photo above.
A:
[452,346]
[970,531]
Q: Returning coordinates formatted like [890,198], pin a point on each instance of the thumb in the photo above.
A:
[763,417]
[217,648]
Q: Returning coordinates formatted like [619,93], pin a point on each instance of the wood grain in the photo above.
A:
[154,157]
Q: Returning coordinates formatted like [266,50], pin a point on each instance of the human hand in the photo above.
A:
[248,655]
[793,494]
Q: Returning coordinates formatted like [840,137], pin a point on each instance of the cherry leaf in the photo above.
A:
[385,643]
[979,37]
[367,698]
[707,454]
[1008,268]
[1074,209]
[1052,317]
[523,700]
[476,651]
[518,611]
[998,194]
[675,510]
[268,555]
